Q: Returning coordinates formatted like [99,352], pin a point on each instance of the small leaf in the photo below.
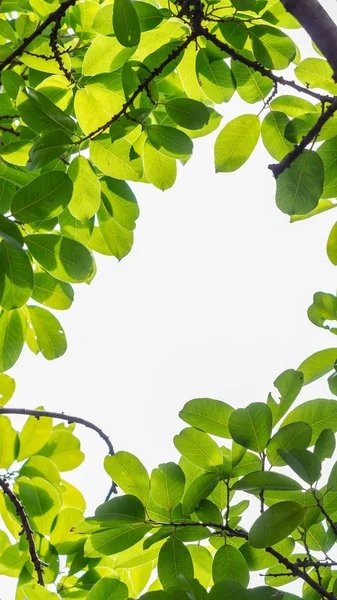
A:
[251,427]
[236,142]
[188,113]
[215,78]
[275,524]
[120,511]
[129,474]
[126,23]
[111,541]
[209,415]
[85,199]
[107,587]
[170,141]
[16,277]
[51,145]
[199,448]
[160,169]
[199,489]
[51,292]
[7,388]
[41,115]
[167,485]
[292,436]
[300,186]
[305,464]
[325,444]
[174,559]
[319,414]
[50,337]
[323,308]
[229,565]
[12,336]
[272,132]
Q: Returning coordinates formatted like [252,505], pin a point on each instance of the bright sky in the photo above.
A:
[211,302]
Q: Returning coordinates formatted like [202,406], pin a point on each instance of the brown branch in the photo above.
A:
[56,52]
[9,130]
[54,16]
[319,25]
[20,511]
[323,511]
[142,86]
[252,64]
[311,136]
[7,117]
[64,417]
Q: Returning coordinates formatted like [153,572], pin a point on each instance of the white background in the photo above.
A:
[211,302]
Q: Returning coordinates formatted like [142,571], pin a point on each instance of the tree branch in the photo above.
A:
[20,511]
[266,72]
[319,25]
[323,511]
[53,17]
[64,417]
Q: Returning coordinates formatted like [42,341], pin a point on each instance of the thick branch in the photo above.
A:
[64,417]
[20,511]
[306,140]
[142,86]
[252,64]
[319,25]
[53,17]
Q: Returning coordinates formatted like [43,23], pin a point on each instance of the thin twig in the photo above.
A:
[56,51]
[64,417]
[9,130]
[323,511]
[20,511]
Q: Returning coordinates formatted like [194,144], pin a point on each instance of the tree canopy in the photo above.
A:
[95,95]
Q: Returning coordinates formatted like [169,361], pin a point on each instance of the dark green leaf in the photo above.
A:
[50,146]
[265,480]
[292,436]
[275,524]
[230,565]
[41,115]
[44,198]
[187,113]
[305,464]
[174,559]
[16,277]
[300,186]
[126,23]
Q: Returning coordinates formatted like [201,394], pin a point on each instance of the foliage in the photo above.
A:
[180,532]
[98,94]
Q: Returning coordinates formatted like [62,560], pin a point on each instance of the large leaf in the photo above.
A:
[300,186]
[111,541]
[215,78]
[264,480]
[44,198]
[114,158]
[50,146]
[209,415]
[229,564]
[7,388]
[318,364]
[120,511]
[129,474]
[272,48]
[108,587]
[51,292]
[174,559]
[50,337]
[187,113]
[41,502]
[16,277]
[275,524]
[118,239]
[304,463]
[33,436]
[251,85]
[62,257]
[99,100]
[9,445]
[63,448]
[251,427]
[199,489]
[272,132]
[236,142]
[12,336]
[199,448]
[289,384]
[316,72]
[105,55]
[120,202]
[170,141]
[295,435]
[86,193]
[41,115]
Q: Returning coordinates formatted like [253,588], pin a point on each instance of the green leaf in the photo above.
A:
[16,153]
[259,559]
[12,336]
[328,153]
[234,33]
[299,187]
[275,524]
[118,239]
[228,590]
[41,502]
[50,146]
[174,559]
[199,489]
[324,306]
[229,565]
[50,337]
[149,16]
[292,106]
[251,427]
[209,415]
[41,466]
[316,73]
[62,257]
[120,202]
[272,132]
[299,127]
[319,414]
[160,169]
[331,248]
[85,199]
[34,591]
[7,388]
[332,383]
[272,48]
[16,277]
[10,232]
[8,443]
[105,55]
[322,206]
[264,480]
[34,435]
[236,142]
[202,563]
[251,85]
[304,463]
[289,384]
[199,448]
[41,115]
[108,588]
[208,512]
[167,485]
[126,23]
[215,78]
[111,541]
[292,436]
[129,474]
[101,98]
[63,448]
[318,364]
[44,198]
[170,141]
[325,444]
[188,113]
[120,511]
[51,292]
[114,158]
